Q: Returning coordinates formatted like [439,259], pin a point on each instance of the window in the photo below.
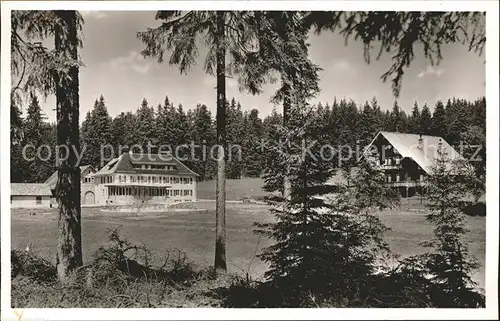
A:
[11,198]
[176,181]
[149,179]
[190,192]
[38,200]
[191,180]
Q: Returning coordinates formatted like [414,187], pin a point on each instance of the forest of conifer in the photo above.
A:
[346,122]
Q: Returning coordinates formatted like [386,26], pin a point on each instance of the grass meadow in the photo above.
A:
[193,232]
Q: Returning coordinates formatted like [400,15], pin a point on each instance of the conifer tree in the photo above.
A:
[230,39]
[396,118]
[146,131]
[69,246]
[457,115]
[37,169]
[414,121]
[425,121]
[203,136]
[367,125]
[253,136]
[17,167]
[450,265]
[378,115]
[235,136]
[438,124]
[296,257]
[123,129]
[96,132]
[326,240]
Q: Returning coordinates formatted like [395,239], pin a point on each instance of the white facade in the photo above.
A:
[135,179]
[125,189]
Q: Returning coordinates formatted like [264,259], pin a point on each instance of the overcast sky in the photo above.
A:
[114,68]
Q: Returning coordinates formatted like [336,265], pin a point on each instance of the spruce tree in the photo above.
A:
[17,166]
[326,239]
[230,39]
[69,245]
[425,121]
[450,265]
[235,136]
[414,122]
[367,125]
[203,136]
[253,136]
[438,123]
[457,115]
[146,131]
[36,135]
[298,258]
[96,132]
[396,118]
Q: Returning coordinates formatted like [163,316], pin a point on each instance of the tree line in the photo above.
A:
[344,121]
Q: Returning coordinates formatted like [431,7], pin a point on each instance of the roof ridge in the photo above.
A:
[398,133]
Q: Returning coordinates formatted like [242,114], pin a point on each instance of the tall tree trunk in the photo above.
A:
[69,244]
[220,207]
[287,105]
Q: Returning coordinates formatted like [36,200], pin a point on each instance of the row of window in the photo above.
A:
[147,179]
[396,178]
[88,179]
[390,161]
[148,166]
[38,199]
[155,179]
[137,191]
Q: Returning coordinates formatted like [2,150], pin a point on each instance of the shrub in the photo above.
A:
[24,263]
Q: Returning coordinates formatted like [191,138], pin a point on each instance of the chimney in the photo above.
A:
[420,142]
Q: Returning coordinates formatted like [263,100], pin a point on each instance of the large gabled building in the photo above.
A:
[135,178]
[407,159]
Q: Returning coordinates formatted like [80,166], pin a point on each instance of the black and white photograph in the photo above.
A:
[249,155]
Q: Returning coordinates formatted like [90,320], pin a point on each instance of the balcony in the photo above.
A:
[388,167]
[406,183]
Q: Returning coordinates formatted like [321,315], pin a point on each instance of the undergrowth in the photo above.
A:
[124,275]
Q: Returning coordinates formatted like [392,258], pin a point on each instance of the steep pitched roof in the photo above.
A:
[30,189]
[408,146]
[52,180]
[124,164]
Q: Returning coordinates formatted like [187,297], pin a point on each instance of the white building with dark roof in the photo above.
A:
[144,178]
[29,195]
[407,159]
